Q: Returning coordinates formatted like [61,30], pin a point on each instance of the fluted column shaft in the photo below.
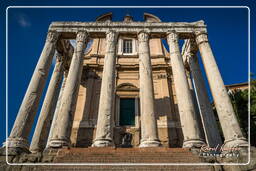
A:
[43,124]
[104,131]
[185,103]
[230,127]
[29,106]
[61,137]
[149,132]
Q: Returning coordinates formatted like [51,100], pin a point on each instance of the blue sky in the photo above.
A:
[27,28]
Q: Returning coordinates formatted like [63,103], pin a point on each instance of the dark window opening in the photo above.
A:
[127,111]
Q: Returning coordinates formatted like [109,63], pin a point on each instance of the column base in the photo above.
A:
[58,143]
[103,143]
[150,143]
[35,150]
[15,146]
[239,142]
[193,143]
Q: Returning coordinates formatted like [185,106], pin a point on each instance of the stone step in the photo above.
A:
[127,155]
[117,168]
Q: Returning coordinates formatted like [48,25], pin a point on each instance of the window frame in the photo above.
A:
[133,47]
[127,46]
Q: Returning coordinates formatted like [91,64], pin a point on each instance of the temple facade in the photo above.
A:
[120,85]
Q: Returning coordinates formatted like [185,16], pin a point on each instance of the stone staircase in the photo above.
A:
[103,159]
[126,155]
[122,156]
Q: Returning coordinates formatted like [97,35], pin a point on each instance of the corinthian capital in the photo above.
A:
[143,36]
[52,36]
[172,36]
[201,37]
[111,36]
[81,36]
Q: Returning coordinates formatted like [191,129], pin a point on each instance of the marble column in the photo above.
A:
[104,131]
[191,132]
[56,112]
[210,126]
[61,136]
[39,139]
[230,127]
[149,132]
[193,95]
[24,120]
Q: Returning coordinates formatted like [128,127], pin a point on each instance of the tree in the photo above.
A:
[239,99]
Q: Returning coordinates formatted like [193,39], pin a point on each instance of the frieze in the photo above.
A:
[157,29]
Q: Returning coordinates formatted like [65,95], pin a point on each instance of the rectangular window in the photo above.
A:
[127,112]
[127,46]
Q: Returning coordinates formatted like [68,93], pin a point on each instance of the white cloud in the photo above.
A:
[23,20]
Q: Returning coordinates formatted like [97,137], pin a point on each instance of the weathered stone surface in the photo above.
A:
[28,108]
[149,134]
[212,134]
[230,127]
[61,136]
[104,132]
[185,104]
[193,95]
[121,155]
[41,132]
[158,84]
[158,29]
[56,112]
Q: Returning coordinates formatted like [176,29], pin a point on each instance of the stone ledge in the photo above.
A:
[151,154]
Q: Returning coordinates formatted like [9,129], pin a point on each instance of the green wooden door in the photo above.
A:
[127,112]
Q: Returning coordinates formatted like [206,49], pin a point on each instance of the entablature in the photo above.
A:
[185,30]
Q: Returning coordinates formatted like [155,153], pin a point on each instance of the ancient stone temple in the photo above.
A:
[119,87]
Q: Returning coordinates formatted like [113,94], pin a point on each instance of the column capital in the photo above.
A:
[81,36]
[172,36]
[111,35]
[201,37]
[52,36]
[143,36]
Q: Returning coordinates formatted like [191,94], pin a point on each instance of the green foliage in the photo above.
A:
[239,99]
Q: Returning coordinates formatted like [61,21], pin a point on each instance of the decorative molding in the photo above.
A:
[52,36]
[143,36]
[157,29]
[161,76]
[111,36]
[201,37]
[81,36]
[16,143]
[172,36]
[126,87]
